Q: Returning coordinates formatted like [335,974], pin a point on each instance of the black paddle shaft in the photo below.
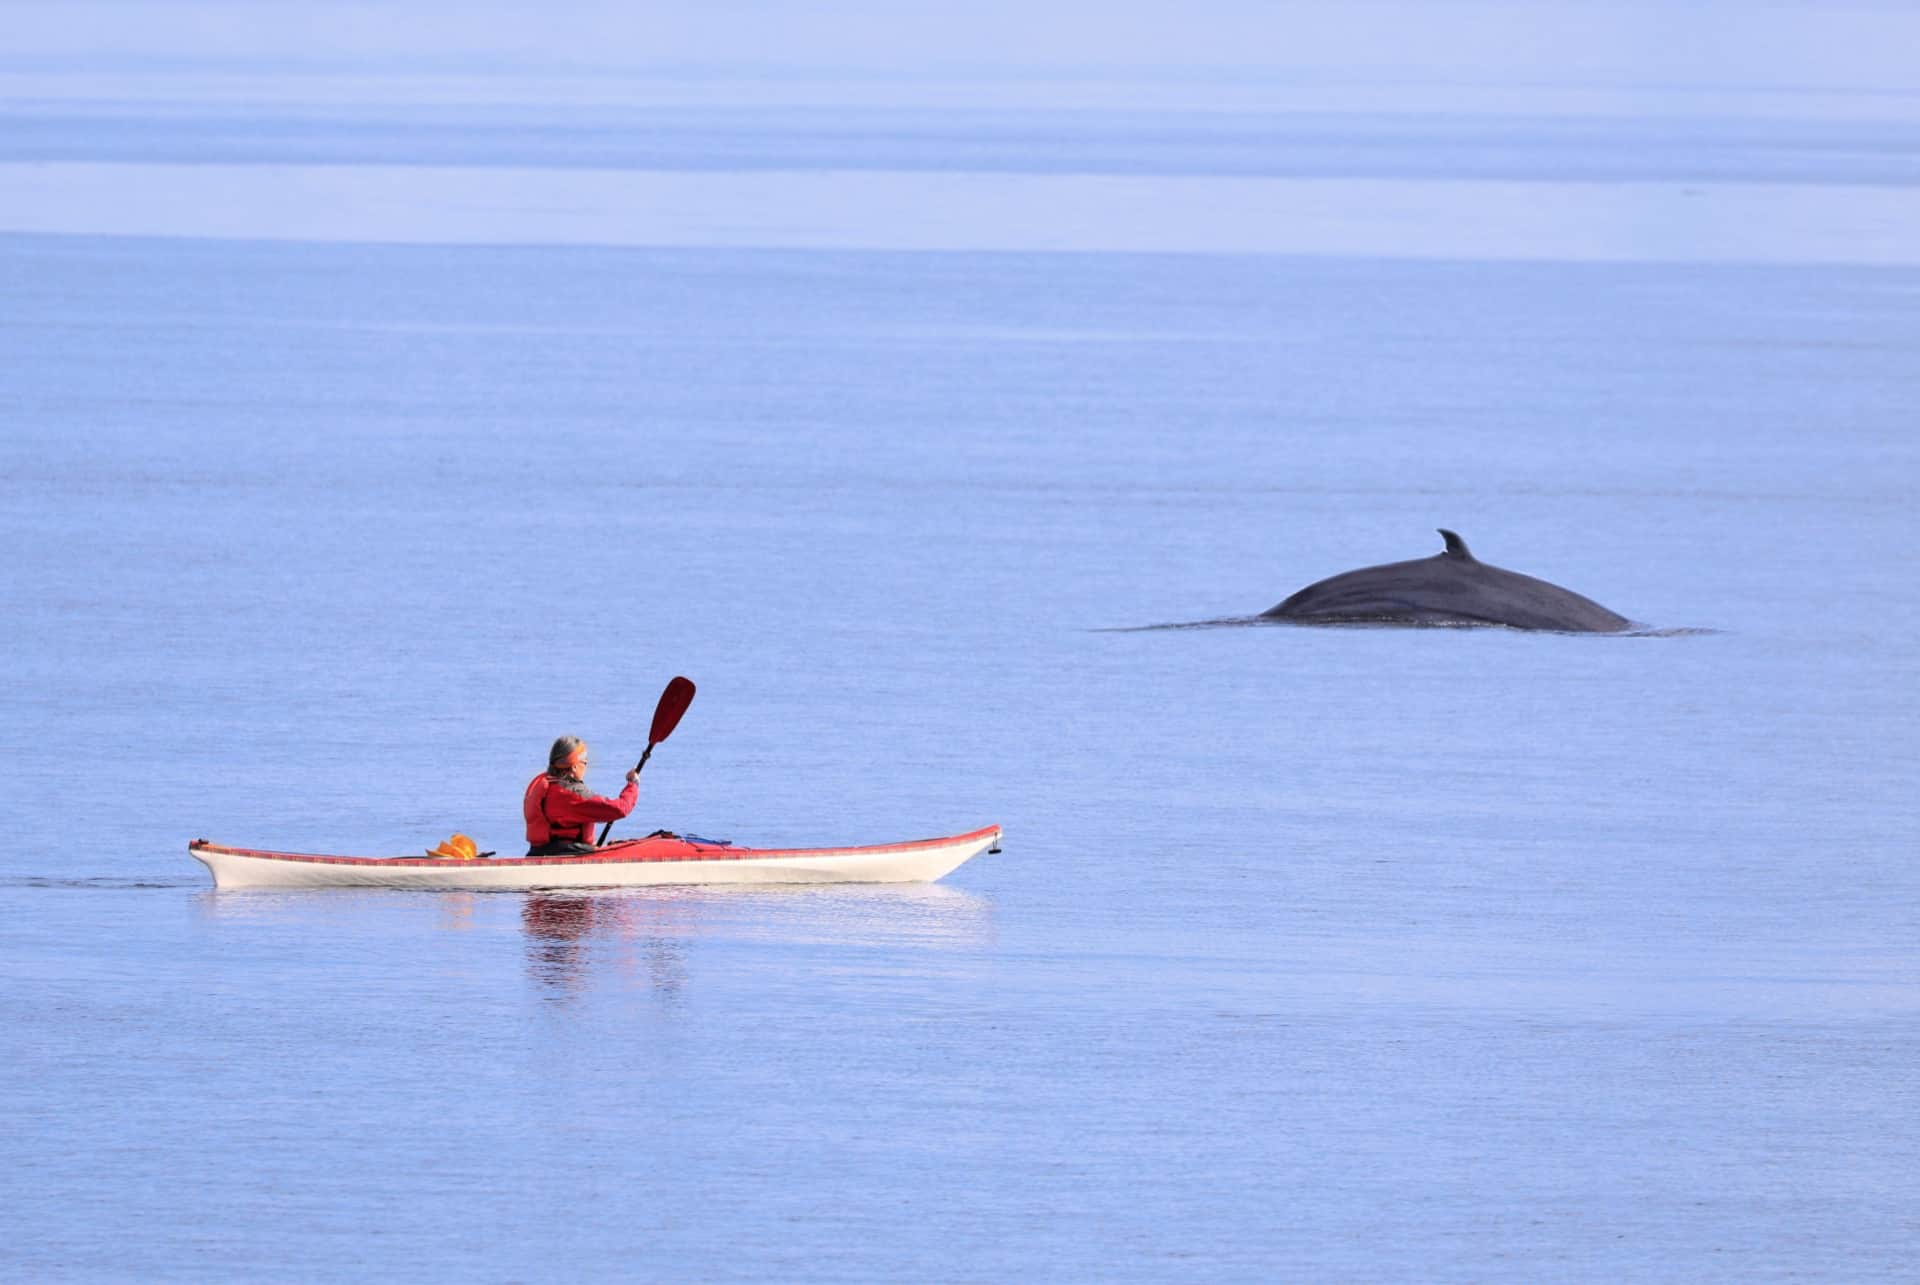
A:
[607,829]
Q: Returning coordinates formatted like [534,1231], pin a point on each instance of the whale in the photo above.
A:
[1451,588]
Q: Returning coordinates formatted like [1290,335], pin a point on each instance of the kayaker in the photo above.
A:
[561,811]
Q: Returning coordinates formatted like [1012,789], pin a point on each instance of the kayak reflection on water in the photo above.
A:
[578,939]
[561,811]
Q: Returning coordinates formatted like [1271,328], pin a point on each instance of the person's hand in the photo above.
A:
[633,776]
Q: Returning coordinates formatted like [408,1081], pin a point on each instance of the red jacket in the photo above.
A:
[556,814]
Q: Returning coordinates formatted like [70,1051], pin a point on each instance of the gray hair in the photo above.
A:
[562,751]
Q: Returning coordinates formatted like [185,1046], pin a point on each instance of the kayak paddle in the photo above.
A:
[666,717]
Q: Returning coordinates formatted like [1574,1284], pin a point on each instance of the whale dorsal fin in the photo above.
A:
[1456,547]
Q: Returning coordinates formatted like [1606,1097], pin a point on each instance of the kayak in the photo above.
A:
[634,863]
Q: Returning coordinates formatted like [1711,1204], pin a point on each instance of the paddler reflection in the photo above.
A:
[561,811]
[557,930]
[561,928]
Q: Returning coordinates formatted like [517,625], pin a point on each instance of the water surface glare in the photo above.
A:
[1425,218]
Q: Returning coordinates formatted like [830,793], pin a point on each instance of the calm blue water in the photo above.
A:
[1355,954]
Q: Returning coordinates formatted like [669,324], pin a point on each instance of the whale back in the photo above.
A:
[1451,588]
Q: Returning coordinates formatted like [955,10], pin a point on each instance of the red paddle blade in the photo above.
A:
[673,703]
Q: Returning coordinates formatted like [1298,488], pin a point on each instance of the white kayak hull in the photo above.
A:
[640,863]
